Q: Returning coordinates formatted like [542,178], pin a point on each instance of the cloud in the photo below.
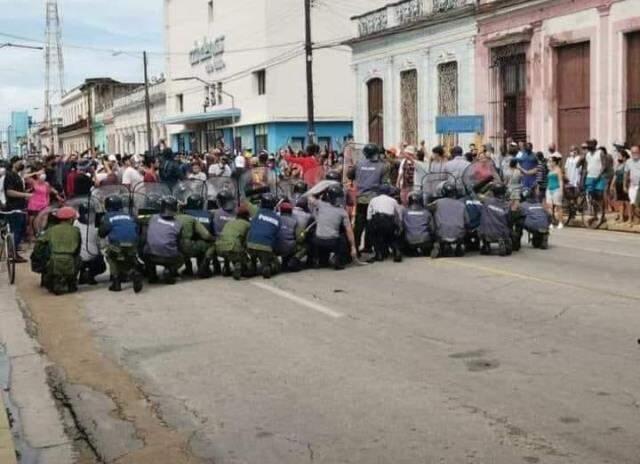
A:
[111,24]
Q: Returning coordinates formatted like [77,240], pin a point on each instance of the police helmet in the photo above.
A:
[300,187]
[113,203]
[449,190]
[334,193]
[225,200]
[267,201]
[525,194]
[194,202]
[415,199]
[169,206]
[370,151]
[334,175]
[303,203]
[499,190]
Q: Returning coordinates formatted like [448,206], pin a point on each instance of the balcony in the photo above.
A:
[403,13]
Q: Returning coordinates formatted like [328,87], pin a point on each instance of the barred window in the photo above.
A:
[409,106]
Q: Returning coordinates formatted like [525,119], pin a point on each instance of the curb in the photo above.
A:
[7,449]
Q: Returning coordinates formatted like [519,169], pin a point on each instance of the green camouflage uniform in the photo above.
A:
[232,243]
[195,239]
[64,242]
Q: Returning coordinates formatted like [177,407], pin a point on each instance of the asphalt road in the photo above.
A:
[532,358]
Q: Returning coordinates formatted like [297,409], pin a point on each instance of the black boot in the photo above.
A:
[204,269]
[435,251]
[115,286]
[137,280]
[188,268]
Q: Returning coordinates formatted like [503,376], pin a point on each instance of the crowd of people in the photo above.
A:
[390,203]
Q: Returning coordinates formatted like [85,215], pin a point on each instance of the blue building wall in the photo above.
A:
[282,134]
[279,135]
[19,129]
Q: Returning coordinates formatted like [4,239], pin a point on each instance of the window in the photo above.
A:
[180,103]
[376,111]
[210,5]
[448,96]
[409,106]
[261,137]
[261,81]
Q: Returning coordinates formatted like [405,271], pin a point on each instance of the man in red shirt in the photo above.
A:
[308,163]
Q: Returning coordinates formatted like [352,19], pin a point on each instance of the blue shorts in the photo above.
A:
[595,184]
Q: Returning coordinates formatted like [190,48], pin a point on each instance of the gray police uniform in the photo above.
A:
[495,220]
[417,224]
[450,217]
[536,218]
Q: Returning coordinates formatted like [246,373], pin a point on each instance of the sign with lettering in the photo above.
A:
[459,124]
[210,52]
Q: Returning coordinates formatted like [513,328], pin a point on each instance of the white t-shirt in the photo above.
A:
[3,198]
[240,162]
[218,170]
[594,164]
[200,176]
[131,176]
[572,171]
[633,168]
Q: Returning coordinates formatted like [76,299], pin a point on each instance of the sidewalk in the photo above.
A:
[7,451]
[38,429]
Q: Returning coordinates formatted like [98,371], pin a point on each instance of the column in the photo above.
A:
[602,112]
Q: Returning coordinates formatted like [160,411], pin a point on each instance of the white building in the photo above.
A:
[127,133]
[413,61]
[255,49]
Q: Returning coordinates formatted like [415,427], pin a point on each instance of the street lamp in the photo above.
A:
[218,88]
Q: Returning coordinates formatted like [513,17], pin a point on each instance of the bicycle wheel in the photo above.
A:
[10,252]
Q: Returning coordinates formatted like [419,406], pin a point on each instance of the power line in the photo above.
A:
[117,51]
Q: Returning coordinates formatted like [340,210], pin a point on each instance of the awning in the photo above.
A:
[203,117]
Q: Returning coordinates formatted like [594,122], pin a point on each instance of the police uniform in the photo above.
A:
[162,247]
[263,238]
[533,217]
[195,241]
[368,175]
[63,241]
[418,228]
[231,244]
[121,231]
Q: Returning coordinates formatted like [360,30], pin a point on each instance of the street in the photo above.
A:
[532,358]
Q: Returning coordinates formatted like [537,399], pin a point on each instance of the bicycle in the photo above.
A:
[7,245]
[581,202]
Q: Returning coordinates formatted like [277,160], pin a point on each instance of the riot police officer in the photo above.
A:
[450,217]
[196,240]
[333,232]
[162,246]
[368,174]
[495,222]
[418,226]
[263,236]
[533,217]
[121,231]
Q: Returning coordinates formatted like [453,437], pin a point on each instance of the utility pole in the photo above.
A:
[308,47]
[147,103]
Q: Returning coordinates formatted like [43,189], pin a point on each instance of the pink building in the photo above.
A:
[559,70]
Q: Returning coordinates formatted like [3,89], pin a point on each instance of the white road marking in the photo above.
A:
[301,301]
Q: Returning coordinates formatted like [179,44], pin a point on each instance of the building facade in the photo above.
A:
[255,50]
[559,71]
[17,133]
[83,113]
[413,61]
[126,131]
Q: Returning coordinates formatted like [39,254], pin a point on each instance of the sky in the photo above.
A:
[127,25]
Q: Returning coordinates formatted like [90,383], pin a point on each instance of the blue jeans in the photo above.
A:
[18,224]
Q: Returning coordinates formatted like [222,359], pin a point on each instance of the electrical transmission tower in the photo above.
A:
[54,71]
